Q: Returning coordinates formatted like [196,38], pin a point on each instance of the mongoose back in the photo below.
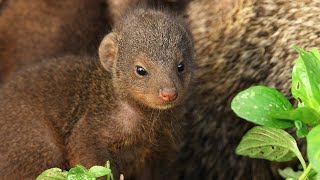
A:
[123,108]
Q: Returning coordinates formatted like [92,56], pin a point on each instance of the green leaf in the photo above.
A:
[99,171]
[269,143]
[80,173]
[80,177]
[109,175]
[304,114]
[288,172]
[256,103]
[313,175]
[313,148]
[108,164]
[306,78]
[78,169]
[53,173]
[302,129]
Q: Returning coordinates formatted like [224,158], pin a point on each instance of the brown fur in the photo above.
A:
[238,44]
[117,8]
[38,29]
[76,109]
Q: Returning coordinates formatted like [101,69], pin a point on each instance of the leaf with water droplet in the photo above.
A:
[256,103]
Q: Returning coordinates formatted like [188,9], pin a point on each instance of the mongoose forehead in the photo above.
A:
[158,35]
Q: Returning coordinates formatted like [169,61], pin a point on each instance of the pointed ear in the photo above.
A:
[108,50]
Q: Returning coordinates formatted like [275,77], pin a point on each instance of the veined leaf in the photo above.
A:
[256,103]
[304,114]
[269,143]
[313,144]
[306,79]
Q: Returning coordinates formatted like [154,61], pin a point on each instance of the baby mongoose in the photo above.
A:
[122,108]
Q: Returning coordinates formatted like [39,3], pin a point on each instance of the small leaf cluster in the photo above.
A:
[271,110]
[77,173]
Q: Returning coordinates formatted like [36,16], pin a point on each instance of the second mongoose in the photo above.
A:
[43,29]
[121,108]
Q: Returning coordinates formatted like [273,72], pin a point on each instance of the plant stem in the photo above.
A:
[303,163]
[305,173]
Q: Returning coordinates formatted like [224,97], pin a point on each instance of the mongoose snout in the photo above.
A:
[168,94]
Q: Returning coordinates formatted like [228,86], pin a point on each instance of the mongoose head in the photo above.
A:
[149,55]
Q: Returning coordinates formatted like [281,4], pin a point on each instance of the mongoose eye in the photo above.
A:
[180,67]
[141,71]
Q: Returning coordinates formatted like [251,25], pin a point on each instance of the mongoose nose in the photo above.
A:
[168,94]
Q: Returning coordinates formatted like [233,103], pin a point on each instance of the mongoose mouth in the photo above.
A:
[162,103]
[167,106]
[163,100]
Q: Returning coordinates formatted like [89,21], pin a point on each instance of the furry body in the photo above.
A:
[77,109]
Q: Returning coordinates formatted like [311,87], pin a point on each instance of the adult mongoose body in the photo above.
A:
[238,43]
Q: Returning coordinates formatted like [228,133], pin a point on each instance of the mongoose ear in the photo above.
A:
[108,50]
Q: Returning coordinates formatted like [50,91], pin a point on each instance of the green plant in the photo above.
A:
[77,173]
[272,110]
